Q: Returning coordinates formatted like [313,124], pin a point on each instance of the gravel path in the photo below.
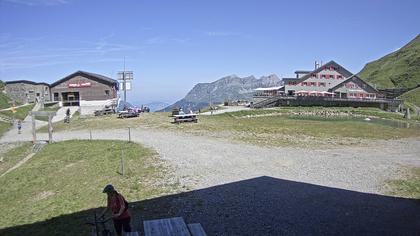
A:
[203,162]
[250,190]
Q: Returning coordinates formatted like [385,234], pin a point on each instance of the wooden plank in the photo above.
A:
[42,113]
[196,229]
[166,227]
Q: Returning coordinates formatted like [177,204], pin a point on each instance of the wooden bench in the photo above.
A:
[172,227]
[185,118]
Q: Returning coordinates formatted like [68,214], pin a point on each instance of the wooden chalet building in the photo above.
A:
[327,85]
[81,87]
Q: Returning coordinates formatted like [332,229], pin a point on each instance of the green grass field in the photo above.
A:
[4,101]
[68,177]
[4,127]
[12,157]
[21,112]
[412,96]
[271,127]
[408,186]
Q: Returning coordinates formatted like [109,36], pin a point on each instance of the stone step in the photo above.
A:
[38,146]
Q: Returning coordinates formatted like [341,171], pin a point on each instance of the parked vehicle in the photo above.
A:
[128,113]
[104,111]
[145,109]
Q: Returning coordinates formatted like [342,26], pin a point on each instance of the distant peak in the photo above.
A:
[230,76]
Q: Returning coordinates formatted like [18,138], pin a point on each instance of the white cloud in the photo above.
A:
[37,2]
[156,40]
[221,33]
[162,40]
[22,54]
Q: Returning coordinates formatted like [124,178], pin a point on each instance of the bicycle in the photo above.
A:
[99,223]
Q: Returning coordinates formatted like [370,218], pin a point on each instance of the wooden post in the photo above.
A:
[129,134]
[122,162]
[407,113]
[50,129]
[90,134]
[50,115]
[33,128]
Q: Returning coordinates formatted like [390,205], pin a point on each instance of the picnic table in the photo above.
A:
[191,117]
[175,226]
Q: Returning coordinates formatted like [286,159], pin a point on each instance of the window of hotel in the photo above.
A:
[350,86]
[313,75]
[313,84]
[331,76]
[323,76]
[304,84]
[339,77]
[321,84]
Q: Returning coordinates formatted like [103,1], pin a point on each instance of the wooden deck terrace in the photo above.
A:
[273,101]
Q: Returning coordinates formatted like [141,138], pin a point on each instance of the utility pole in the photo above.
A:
[125,85]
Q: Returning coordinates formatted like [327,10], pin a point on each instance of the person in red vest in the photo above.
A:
[118,207]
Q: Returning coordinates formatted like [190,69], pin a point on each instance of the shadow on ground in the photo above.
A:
[261,206]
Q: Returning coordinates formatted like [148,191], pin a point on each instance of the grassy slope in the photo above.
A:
[264,127]
[400,69]
[14,156]
[20,114]
[4,127]
[51,185]
[412,96]
[4,101]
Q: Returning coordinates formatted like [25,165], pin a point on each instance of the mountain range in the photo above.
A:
[227,88]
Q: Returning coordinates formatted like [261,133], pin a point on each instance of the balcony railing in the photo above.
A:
[326,98]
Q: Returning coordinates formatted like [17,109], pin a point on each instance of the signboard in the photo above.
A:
[125,75]
[127,85]
[80,85]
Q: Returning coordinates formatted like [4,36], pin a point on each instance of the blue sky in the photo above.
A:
[172,45]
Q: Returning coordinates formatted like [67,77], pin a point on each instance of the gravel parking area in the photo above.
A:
[243,189]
